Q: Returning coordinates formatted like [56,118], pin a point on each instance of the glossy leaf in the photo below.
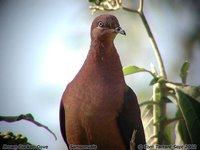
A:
[134,69]
[192,91]
[190,110]
[184,71]
[168,135]
[157,80]
[147,119]
[28,117]
[153,81]
[182,135]
[91,1]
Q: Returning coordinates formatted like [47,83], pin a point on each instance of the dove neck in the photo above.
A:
[102,49]
[103,62]
[104,54]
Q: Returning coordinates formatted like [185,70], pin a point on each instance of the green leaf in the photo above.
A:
[157,80]
[168,135]
[153,81]
[147,119]
[91,1]
[97,2]
[182,136]
[28,117]
[190,110]
[193,91]
[134,69]
[184,71]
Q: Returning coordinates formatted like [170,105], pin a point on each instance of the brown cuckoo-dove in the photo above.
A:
[97,106]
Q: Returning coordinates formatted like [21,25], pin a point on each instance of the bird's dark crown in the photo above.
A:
[105,27]
[107,21]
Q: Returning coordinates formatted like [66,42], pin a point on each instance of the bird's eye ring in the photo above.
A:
[100,24]
[118,28]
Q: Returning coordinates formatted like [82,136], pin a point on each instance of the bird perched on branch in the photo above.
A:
[97,106]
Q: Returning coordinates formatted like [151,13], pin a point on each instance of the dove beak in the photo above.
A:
[120,30]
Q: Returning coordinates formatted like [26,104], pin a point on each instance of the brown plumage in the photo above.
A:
[97,106]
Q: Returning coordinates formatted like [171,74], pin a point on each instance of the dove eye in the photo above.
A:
[100,24]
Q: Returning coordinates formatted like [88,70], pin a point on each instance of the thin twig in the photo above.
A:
[154,45]
[141,4]
[151,37]
[129,9]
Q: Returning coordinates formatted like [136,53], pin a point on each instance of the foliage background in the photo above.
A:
[44,43]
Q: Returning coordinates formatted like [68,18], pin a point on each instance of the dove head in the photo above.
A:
[105,27]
